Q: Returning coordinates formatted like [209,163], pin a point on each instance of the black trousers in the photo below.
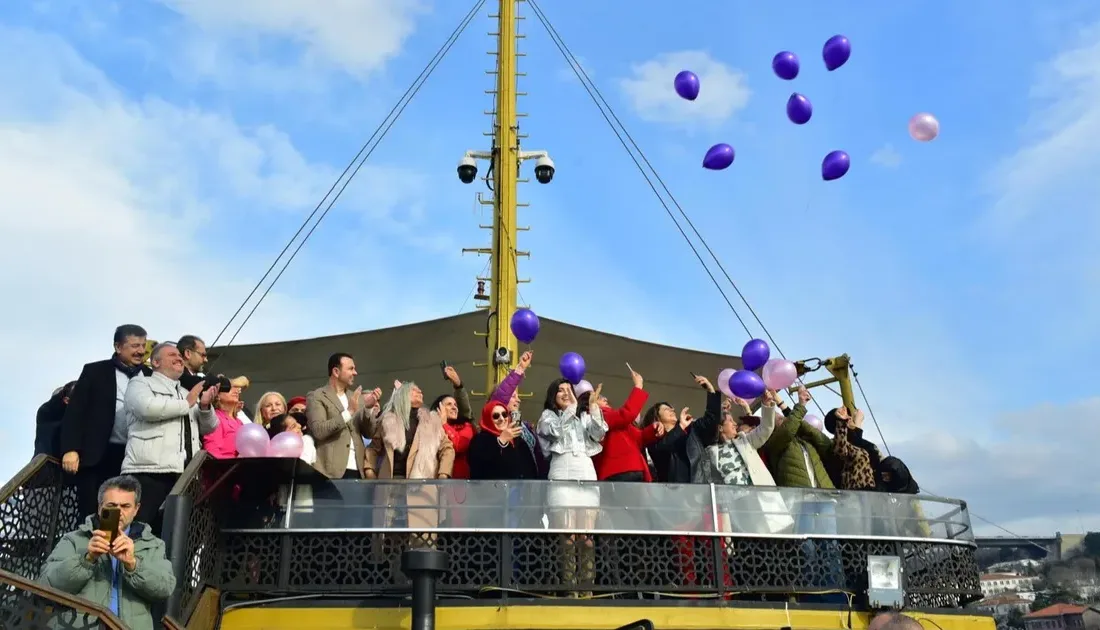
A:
[155,488]
[88,479]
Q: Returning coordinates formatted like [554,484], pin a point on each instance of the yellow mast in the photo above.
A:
[506,160]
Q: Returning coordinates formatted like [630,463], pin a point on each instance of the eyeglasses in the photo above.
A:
[499,415]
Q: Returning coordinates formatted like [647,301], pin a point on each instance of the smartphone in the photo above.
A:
[443,369]
[109,520]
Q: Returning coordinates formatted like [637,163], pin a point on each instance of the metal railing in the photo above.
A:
[27,604]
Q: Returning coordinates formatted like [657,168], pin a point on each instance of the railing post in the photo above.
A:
[424,567]
[177,517]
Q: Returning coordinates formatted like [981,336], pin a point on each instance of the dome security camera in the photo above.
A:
[467,169]
[544,170]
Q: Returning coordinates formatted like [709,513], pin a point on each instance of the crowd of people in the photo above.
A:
[136,419]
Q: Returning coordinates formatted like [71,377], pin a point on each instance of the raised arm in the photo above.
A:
[595,427]
[446,456]
[759,436]
[143,404]
[666,442]
[203,413]
[712,417]
[783,434]
[503,393]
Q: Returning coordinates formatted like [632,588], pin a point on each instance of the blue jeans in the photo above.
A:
[823,566]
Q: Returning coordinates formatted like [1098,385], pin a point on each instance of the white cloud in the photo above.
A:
[122,211]
[359,36]
[1044,196]
[887,157]
[1059,160]
[723,92]
[1037,475]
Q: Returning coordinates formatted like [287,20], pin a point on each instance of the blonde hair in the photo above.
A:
[260,406]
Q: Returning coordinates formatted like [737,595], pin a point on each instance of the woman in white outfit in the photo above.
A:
[571,432]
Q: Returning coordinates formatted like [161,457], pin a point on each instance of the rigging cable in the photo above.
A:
[601,104]
[354,166]
[577,70]
[609,115]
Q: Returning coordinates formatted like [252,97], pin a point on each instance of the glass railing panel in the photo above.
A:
[624,508]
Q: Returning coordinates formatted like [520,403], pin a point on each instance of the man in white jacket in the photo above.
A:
[167,423]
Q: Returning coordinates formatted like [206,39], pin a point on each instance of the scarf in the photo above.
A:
[486,421]
[129,370]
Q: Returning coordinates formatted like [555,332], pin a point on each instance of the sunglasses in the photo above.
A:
[498,415]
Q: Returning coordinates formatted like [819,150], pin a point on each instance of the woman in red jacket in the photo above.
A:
[622,458]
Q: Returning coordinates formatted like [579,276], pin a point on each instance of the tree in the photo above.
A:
[1054,594]
[1090,545]
[1014,619]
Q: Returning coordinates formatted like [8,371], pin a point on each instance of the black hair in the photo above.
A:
[278,424]
[220,381]
[552,393]
[335,360]
[830,421]
[652,414]
[901,480]
[67,389]
[438,402]
[125,331]
[126,483]
[188,343]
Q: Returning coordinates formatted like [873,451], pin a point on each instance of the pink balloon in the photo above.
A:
[924,127]
[286,444]
[814,422]
[724,381]
[252,441]
[582,388]
[779,374]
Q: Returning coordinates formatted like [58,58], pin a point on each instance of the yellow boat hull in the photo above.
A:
[576,616]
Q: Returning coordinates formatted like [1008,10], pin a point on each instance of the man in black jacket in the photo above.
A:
[193,351]
[93,429]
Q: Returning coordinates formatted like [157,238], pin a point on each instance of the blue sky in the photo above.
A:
[183,142]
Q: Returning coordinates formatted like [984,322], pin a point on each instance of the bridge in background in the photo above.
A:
[1055,547]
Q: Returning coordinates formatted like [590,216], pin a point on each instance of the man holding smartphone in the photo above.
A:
[113,560]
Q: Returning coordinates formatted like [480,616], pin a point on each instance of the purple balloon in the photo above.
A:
[525,325]
[252,441]
[835,165]
[836,52]
[572,367]
[718,157]
[755,354]
[687,85]
[785,65]
[799,109]
[746,384]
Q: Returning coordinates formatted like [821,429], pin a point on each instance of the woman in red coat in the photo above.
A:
[622,458]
